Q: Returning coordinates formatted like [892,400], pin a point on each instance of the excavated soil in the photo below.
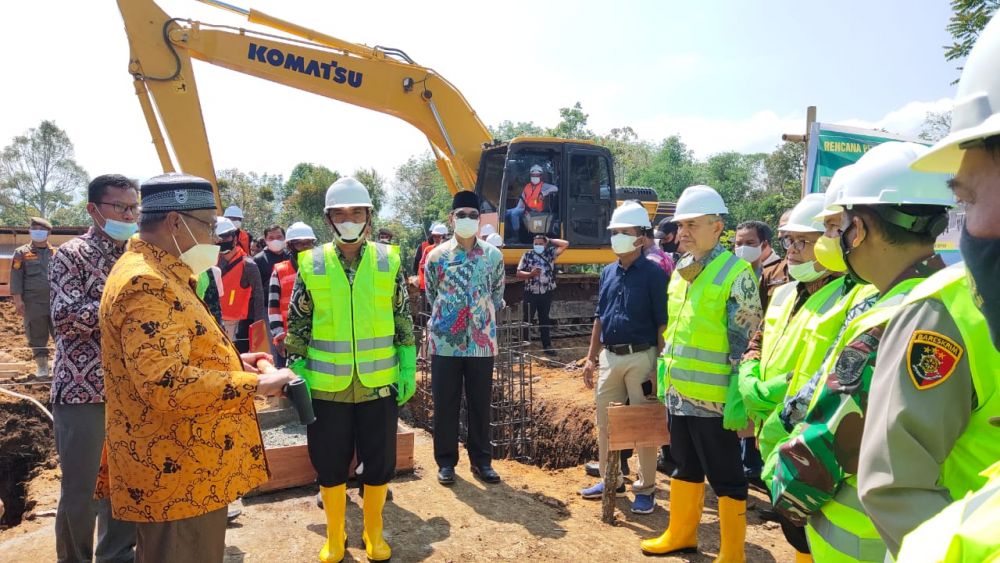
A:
[27,447]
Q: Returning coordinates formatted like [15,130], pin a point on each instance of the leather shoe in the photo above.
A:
[486,474]
[446,475]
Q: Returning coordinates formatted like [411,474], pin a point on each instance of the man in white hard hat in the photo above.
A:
[350,336]
[789,344]
[300,237]
[884,237]
[928,434]
[242,299]
[532,198]
[714,307]
[243,238]
[627,336]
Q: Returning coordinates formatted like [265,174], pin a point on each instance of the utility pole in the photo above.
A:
[794,138]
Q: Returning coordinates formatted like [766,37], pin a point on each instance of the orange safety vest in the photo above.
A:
[423,260]
[235,299]
[286,278]
[533,196]
[243,240]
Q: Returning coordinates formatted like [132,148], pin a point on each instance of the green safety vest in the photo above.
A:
[696,356]
[352,325]
[964,532]
[841,530]
[979,445]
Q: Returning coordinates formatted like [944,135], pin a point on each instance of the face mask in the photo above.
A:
[118,230]
[805,272]
[275,246]
[348,232]
[748,253]
[691,271]
[535,180]
[829,254]
[466,228]
[226,246]
[669,247]
[237,223]
[385,240]
[38,235]
[539,248]
[622,243]
[982,260]
[199,257]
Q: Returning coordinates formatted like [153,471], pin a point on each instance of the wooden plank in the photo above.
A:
[637,426]
[290,465]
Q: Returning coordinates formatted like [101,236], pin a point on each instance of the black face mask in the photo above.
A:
[846,248]
[669,247]
[226,246]
[982,260]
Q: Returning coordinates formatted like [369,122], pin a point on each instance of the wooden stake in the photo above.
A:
[611,471]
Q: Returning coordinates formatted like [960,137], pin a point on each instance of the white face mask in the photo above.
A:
[466,227]
[349,232]
[748,253]
[622,243]
[276,246]
[805,272]
[535,180]
[199,257]
[38,235]
[539,248]
[237,223]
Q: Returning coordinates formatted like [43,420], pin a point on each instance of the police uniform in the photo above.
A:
[29,278]
[928,434]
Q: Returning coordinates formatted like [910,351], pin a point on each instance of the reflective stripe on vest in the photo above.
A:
[842,532]
[286,281]
[697,339]
[978,447]
[353,326]
[235,299]
[777,323]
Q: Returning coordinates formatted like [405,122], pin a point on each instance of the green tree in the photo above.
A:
[631,155]
[254,193]
[305,196]
[74,215]
[671,169]
[420,197]
[572,124]
[38,173]
[507,130]
[968,19]
[376,187]
[935,126]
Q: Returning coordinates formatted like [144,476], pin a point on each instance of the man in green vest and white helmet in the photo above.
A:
[713,306]
[928,436]
[884,237]
[350,336]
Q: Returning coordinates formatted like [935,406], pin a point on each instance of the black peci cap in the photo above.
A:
[176,192]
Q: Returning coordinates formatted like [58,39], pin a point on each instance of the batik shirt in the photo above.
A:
[300,309]
[465,290]
[77,275]
[743,314]
[546,281]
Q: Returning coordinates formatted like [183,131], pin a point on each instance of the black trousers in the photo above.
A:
[702,447]
[539,305]
[342,428]
[448,376]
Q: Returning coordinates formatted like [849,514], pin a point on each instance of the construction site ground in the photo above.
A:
[534,514]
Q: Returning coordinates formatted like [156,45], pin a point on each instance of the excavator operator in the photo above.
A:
[532,199]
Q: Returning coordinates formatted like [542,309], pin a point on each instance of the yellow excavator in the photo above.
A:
[386,80]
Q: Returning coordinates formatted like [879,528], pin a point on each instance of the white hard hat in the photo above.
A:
[439,229]
[883,177]
[347,192]
[300,231]
[536,168]
[696,201]
[833,190]
[233,212]
[630,214]
[487,230]
[803,217]
[223,225]
[495,239]
[976,113]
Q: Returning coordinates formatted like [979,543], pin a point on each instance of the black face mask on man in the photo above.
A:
[226,246]
[982,260]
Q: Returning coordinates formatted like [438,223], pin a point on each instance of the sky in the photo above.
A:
[724,75]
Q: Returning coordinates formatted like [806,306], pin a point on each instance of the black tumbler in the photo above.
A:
[298,394]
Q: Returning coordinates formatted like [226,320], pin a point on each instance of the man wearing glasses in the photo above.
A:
[79,270]
[465,280]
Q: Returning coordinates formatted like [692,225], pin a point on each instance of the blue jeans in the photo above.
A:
[752,463]
[514,216]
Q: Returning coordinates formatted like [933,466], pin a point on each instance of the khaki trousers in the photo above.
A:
[620,377]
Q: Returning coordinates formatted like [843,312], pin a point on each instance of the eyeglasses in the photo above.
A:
[122,209]
[208,224]
[467,215]
[787,243]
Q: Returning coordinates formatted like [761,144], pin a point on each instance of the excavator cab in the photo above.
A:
[556,187]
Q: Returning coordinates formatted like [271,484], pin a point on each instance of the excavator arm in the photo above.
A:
[381,79]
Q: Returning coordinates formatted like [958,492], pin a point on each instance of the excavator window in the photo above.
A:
[532,195]
[590,198]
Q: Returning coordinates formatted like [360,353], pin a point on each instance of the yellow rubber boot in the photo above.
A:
[733,523]
[334,505]
[803,557]
[375,545]
[686,501]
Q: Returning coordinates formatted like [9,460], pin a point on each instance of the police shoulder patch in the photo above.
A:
[931,358]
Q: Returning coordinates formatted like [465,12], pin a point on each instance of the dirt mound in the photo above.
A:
[565,435]
[27,446]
